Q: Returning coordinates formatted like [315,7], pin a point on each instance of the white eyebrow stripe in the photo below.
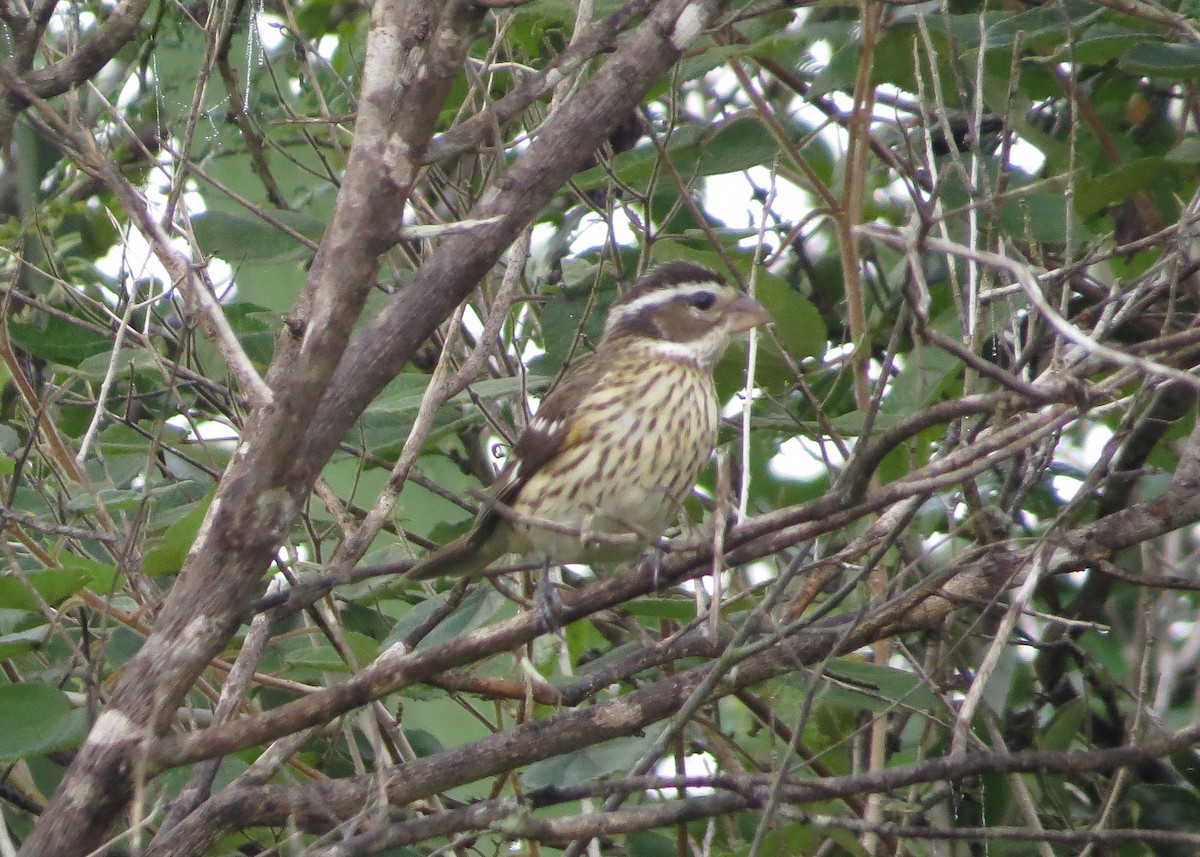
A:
[658,297]
[686,351]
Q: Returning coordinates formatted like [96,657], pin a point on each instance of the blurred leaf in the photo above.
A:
[1187,152]
[883,687]
[1043,27]
[561,318]
[737,145]
[58,341]
[1162,58]
[171,552]
[479,606]
[1065,728]
[1041,217]
[245,237]
[595,762]
[924,376]
[52,584]
[97,366]
[649,844]
[322,656]
[1167,807]
[98,576]
[680,609]
[851,424]
[256,329]
[407,396]
[1100,44]
[18,642]
[1092,195]
[36,718]
[726,147]
[119,439]
[798,326]
[790,840]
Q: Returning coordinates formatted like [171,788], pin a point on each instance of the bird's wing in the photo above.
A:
[554,429]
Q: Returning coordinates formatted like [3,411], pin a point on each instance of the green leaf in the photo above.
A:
[1094,194]
[649,843]
[1065,726]
[680,609]
[243,237]
[58,341]
[615,756]
[564,313]
[1042,217]
[1167,807]
[170,554]
[737,145]
[19,642]
[636,166]
[1187,152]
[35,718]
[325,658]
[852,423]
[113,500]
[884,686]
[135,359]
[54,585]
[423,742]
[232,767]
[407,397]
[99,576]
[476,609]
[963,29]
[925,374]
[1103,42]
[256,328]
[798,325]
[790,840]
[120,439]
[1045,26]
[892,63]
[613,656]
[431,515]
[694,151]
[273,286]
[1162,58]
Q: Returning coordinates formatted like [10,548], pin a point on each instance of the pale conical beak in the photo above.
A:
[745,312]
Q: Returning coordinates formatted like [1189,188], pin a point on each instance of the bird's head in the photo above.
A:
[682,311]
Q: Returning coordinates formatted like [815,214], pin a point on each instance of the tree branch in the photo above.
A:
[414,53]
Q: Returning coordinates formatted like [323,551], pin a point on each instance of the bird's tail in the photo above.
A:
[466,556]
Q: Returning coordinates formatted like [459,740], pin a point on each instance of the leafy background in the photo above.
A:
[963,573]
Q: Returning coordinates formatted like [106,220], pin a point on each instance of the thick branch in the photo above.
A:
[566,140]
[600,36]
[925,608]
[111,36]
[413,55]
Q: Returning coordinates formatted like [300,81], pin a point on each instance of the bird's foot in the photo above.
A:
[551,611]
[587,533]
[653,559]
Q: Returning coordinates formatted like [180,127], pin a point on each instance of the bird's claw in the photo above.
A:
[655,559]
[551,611]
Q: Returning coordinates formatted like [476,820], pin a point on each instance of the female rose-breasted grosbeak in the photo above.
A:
[617,445]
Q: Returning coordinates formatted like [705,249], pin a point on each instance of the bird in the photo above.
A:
[617,445]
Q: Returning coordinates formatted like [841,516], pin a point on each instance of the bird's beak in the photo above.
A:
[745,312]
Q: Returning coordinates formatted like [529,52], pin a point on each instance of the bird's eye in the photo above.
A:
[703,300]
